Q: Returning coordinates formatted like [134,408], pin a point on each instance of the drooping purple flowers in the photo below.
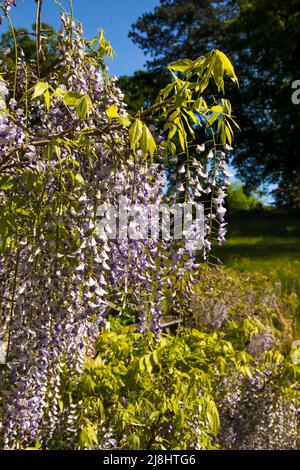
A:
[6,6]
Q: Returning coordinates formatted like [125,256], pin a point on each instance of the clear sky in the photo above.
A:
[114,16]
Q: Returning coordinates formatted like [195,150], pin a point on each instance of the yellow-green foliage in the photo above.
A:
[238,200]
[137,393]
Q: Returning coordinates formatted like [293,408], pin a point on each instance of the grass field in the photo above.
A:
[266,242]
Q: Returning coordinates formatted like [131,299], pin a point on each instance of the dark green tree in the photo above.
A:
[26,48]
[180,28]
[262,38]
[142,88]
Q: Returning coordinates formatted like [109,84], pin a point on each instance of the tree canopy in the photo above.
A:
[262,39]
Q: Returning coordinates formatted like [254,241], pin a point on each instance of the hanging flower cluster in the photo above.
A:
[68,147]
[6,6]
[204,179]
[255,414]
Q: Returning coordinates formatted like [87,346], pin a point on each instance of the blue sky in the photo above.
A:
[114,16]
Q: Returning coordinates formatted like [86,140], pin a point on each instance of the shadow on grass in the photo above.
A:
[261,249]
[265,223]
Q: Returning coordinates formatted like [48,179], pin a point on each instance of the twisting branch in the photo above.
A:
[71,9]
[153,108]
[12,29]
[5,163]
[38,28]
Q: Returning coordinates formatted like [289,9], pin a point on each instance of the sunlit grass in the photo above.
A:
[265,243]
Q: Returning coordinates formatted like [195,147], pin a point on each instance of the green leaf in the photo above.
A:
[205,77]
[217,109]
[228,67]
[147,142]
[112,111]
[79,178]
[181,140]
[148,364]
[39,89]
[60,405]
[226,106]
[181,133]
[38,446]
[172,129]
[234,122]
[167,90]
[83,107]
[141,364]
[180,97]
[151,143]
[22,211]
[6,182]
[246,371]
[88,437]
[200,104]
[174,115]
[155,358]
[172,148]
[59,92]
[57,151]
[191,130]
[218,74]
[124,121]
[228,134]
[92,42]
[169,146]
[88,384]
[105,46]
[181,65]
[72,98]
[100,408]
[47,99]
[135,133]
[192,116]
[143,141]
[133,442]
[215,112]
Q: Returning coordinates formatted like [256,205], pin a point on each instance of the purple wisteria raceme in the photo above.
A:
[6,7]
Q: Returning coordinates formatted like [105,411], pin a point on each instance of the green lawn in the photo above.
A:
[265,242]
